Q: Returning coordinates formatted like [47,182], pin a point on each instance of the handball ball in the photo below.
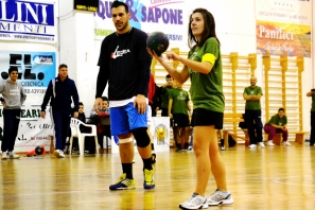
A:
[39,150]
[158,42]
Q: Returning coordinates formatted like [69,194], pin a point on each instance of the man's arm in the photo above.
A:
[285,122]
[23,95]
[251,98]
[75,97]
[170,106]
[102,78]
[188,109]
[276,126]
[144,60]
[246,97]
[47,96]
[255,97]
[309,94]
[145,63]
[103,74]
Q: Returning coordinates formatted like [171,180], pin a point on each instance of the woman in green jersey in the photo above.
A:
[204,67]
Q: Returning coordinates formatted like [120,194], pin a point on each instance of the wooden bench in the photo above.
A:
[232,118]
[299,137]
[277,139]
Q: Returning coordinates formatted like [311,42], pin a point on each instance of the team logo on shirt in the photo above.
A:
[181,96]
[15,91]
[119,53]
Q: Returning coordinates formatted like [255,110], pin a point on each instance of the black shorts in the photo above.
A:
[203,117]
[180,120]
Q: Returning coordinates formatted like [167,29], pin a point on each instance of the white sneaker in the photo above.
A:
[59,153]
[220,198]
[252,146]
[287,143]
[4,155]
[195,202]
[261,144]
[13,156]
[270,143]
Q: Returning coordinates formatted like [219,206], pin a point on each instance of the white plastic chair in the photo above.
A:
[75,132]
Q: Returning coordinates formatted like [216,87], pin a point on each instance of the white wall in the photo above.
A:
[77,50]
[313,39]
[236,29]
[77,47]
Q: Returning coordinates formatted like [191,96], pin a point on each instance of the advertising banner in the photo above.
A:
[283,27]
[36,69]
[33,130]
[149,16]
[28,21]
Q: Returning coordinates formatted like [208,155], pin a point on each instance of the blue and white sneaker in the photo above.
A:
[123,184]
[220,198]
[195,202]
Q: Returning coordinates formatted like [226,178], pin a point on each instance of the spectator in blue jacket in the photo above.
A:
[61,91]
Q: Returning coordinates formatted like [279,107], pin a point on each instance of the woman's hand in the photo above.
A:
[172,56]
[153,54]
[169,55]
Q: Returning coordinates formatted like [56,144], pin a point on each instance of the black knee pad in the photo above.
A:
[141,137]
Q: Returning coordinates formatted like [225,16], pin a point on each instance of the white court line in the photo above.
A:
[279,181]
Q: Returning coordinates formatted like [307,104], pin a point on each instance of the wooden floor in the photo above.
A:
[271,178]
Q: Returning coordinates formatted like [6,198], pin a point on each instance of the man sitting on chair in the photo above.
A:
[101,120]
[277,124]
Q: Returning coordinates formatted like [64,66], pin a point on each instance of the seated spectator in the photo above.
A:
[277,124]
[102,122]
[81,117]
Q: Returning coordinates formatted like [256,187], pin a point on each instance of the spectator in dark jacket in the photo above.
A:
[60,92]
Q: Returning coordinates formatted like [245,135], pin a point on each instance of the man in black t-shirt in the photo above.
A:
[125,65]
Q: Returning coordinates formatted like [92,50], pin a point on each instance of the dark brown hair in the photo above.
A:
[13,68]
[62,66]
[208,32]
[118,4]
[281,109]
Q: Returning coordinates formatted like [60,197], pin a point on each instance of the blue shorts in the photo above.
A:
[126,118]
